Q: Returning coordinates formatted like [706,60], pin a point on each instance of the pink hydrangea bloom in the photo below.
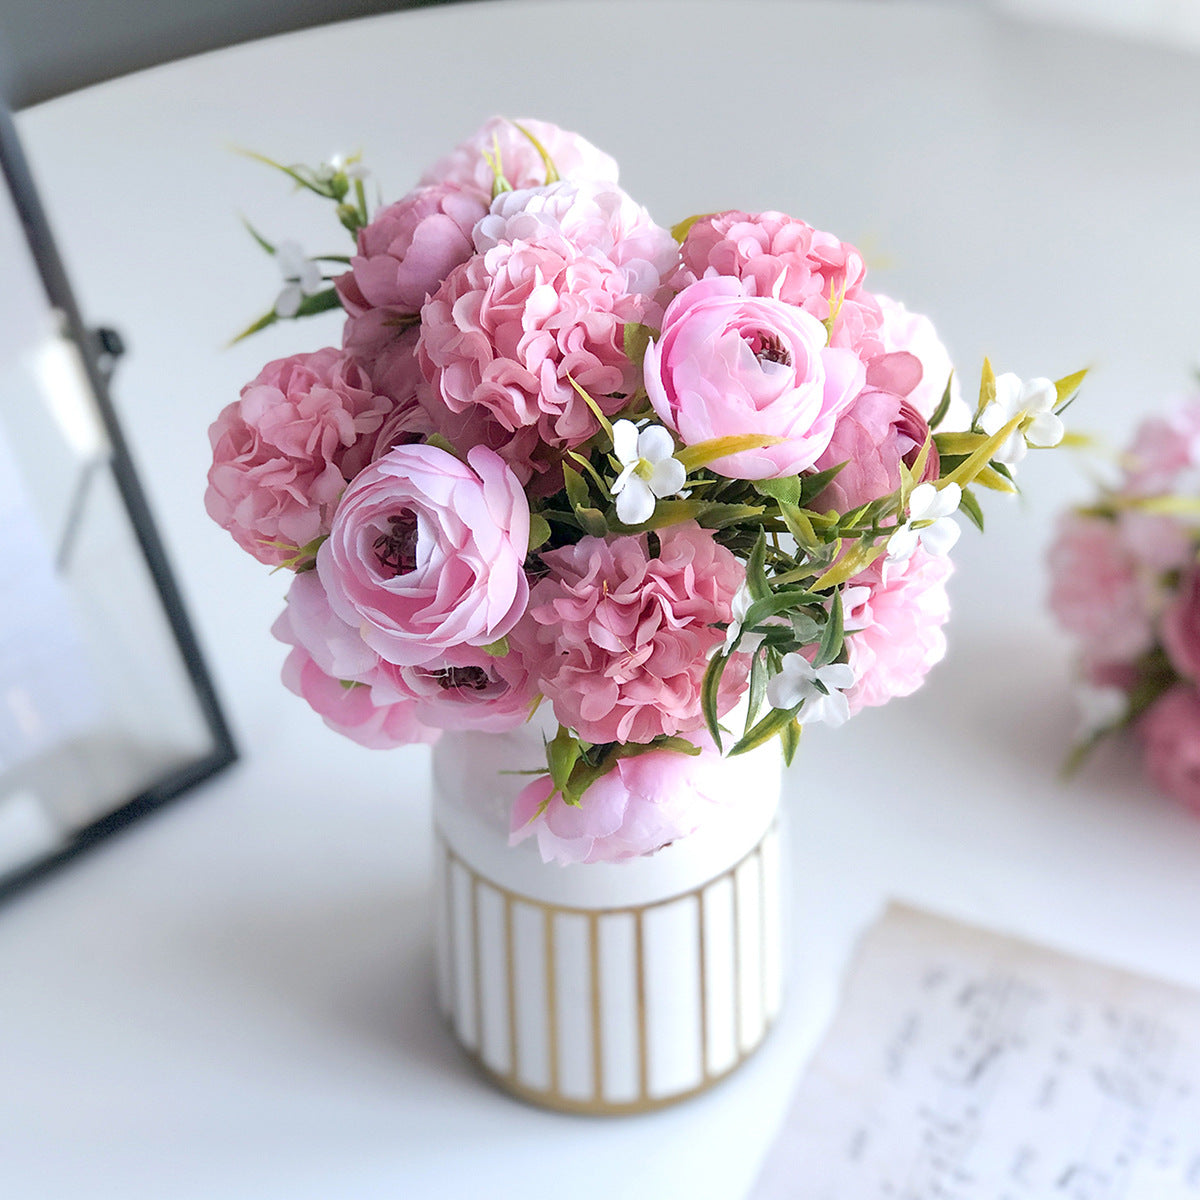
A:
[403,256]
[573,156]
[599,218]
[1096,592]
[896,613]
[728,363]
[1170,731]
[426,553]
[507,328]
[872,438]
[283,452]
[915,334]
[618,640]
[779,256]
[1181,627]
[641,805]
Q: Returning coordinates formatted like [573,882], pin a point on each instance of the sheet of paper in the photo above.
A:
[962,1065]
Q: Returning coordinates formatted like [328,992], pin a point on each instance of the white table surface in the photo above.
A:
[234,999]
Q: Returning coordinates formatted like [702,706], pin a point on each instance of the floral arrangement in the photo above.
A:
[1125,583]
[639,477]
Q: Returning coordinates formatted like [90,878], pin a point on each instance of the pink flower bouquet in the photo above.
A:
[1125,583]
[684,490]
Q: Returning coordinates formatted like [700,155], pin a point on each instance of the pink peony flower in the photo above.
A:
[872,438]
[778,256]
[352,710]
[1095,590]
[283,452]
[641,805]
[425,553]
[573,156]
[507,328]
[598,218]
[403,256]
[1181,627]
[896,613]
[728,363]
[1170,731]
[618,640]
[915,334]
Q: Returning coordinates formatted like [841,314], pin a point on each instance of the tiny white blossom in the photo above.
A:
[929,523]
[820,690]
[1033,398]
[650,471]
[338,165]
[1100,709]
[302,276]
[740,606]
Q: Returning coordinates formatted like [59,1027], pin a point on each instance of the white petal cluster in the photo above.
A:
[930,524]
[1032,398]
[649,470]
[820,690]
[302,276]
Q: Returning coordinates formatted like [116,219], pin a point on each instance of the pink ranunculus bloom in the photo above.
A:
[508,327]
[1181,627]
[619,640]
[877,433]
[574,157]
[309,623]
[403,256]
[642,804]
[465,688]
[426,553]
[779,256]
[1170,732]
[895,614]
[728,363]
[284,451]
[599,218]
[915,334]
[1096,592]
[1165,454]
[351,709]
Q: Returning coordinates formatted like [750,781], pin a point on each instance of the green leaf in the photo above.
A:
[757,690]
[636,339]
[439,442]
[800,527]
[939,413]
[756,574]
[771,725]
[258,237]
[1067,386]
[991,478]
[970,505]
[813,485]
[775,603]
[949,444]
[577,489]
[676,745]
[789,735]
[679,232]
[857,559]
[539,531]
[702,453]
[987,387]
[496,649]
[552,175]
[292,173]
[975,462]
[597,412]
[787,489]
[708,696]
[833,635]
[562,753]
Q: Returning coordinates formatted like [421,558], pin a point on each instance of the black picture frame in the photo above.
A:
[14,169]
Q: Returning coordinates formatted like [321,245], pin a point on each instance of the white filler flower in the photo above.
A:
[929,523]
[821,690]
[302,275]
[1035,399]
[649,470]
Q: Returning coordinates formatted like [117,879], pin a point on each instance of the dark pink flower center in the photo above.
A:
[769,347]
[474,679]
[396,549]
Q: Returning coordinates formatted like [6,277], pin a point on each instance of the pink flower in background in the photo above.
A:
[353,710]
[426,553]
[1170,731]
[283,452]
[618,640]
[872,438]
[779,256]
[507,328]
[599,218]
[896,612]
[914,333]
[1096,592]
[1165,454]
[728,363]
[641,805]
[403,256]
[574,157]
[1181,627]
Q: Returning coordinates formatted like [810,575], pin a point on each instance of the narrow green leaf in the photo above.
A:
[939,413]
[772,724]
[680,231]
[702,453]
[787,489]
[775,603]
[813,485]
[577,489]
[789,735]
[552,175]
[987,387]
[833,635]
[539,531]
[439,442]
[708,696]
[975,462]
[597,412]
[970,505]
[258,237]
[800,527]
[1067,386]
[756,573]
[757,690]
[636,339]
[991,479]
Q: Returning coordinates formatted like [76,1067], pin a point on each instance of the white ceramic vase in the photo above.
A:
[605,987]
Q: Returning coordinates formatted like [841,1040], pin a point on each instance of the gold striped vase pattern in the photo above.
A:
[610,1008]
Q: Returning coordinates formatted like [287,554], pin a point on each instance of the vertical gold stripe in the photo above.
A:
[597,1012]
[510,983]
[476,961]
[639,943]
[551,1001]
[451,945]
[702,928]
[737,964]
